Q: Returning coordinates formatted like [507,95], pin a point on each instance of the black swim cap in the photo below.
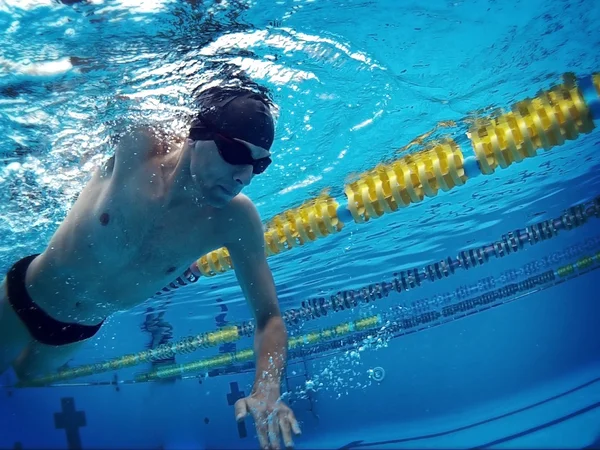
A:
[237,114]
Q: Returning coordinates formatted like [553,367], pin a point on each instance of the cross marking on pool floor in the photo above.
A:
[233,397]
[70,420]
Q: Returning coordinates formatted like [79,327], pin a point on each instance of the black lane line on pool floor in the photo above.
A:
[540,427]
[357,444]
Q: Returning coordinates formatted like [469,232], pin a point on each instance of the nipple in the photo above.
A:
[104,219]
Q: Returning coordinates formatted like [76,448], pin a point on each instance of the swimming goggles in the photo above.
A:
[232,151]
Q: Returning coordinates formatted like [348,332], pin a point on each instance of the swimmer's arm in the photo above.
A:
[247,251]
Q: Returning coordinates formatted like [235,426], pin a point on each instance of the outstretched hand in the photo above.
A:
[274,420]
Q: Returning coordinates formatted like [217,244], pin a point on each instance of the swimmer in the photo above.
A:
[144,217]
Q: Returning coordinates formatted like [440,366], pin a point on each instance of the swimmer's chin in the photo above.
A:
[216,196]
[218,200]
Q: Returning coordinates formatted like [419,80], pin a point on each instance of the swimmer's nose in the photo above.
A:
[243,175]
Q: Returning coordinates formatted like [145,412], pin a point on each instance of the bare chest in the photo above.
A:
[150,237]
[128,231]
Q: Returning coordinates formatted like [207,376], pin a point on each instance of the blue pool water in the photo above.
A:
[355,83]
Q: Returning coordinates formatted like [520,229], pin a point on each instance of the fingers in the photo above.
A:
[274,435]
[293,422]
[262,430]
[241,409]
[286,431]
[271,427]
[288,424]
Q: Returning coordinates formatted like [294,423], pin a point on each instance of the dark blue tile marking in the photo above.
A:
[70,420]
[352,444]
[233,397]
[235,393]
[228,347]
[594,445]
[237,369]
[541,427]
[295,382]
[242,433]
[358,444]
[18,446]
[220,318]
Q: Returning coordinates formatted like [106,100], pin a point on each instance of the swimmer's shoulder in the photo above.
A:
[242,207]
[241,220]
[135,146]
[138,146]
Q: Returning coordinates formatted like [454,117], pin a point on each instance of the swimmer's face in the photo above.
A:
[218,181]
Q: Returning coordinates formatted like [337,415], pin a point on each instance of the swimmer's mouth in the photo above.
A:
[228,192]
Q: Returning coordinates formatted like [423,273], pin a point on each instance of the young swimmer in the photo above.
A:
[143,218]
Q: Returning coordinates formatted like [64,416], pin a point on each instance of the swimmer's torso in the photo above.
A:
[118,245]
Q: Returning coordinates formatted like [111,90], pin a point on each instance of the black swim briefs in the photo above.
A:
[41,326]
